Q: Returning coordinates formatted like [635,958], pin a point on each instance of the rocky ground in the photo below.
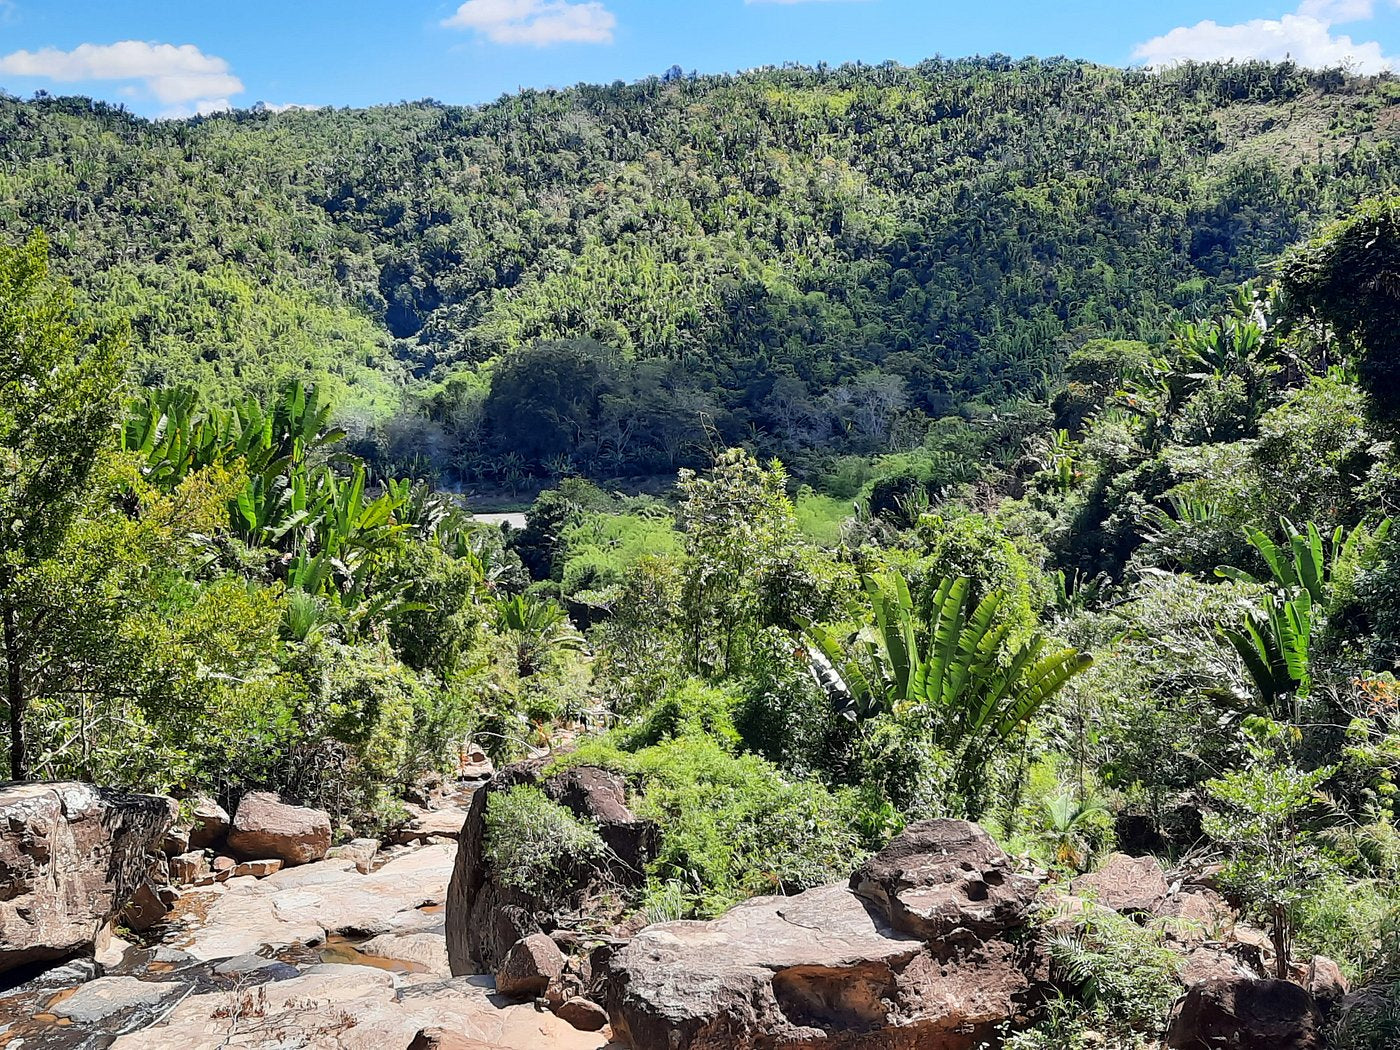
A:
[269,938]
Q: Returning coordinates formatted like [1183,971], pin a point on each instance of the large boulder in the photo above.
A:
[71,857]
[1130,885]
[486,917]
[266,827]
[945,875]
[530,967]
[1245,1013]
[919,956]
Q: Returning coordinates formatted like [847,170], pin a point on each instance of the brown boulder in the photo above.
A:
[187,867]
[531,966]
[822,968]
[939,876]
[146,908]
[210,823]
[1130,885]
[1326,982]
[265,826]
[583,1014]
[71,857]
[1245,1014]
[1196,915]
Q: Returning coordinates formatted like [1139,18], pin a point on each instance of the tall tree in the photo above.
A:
[58,385]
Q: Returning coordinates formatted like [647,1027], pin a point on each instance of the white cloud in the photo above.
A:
[1305,36]
[1336,11]
[182,78]
[537,22]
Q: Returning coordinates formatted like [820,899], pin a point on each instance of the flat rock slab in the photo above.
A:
[108,996]
[304,904]
[357,1008]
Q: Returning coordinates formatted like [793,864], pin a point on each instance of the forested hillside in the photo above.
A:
[586,280]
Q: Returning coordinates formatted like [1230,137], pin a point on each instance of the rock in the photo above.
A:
[600,796]
[1326,983]
[246,965]
[71,858]
[530,967]
[425,824]
[176,841]
[583,1014]
[425,950]
[187,867]
[264,826]
[108,996]
[1129,885]
[361,851]
[1196,915]
[146,907]
[224,863]
[475,765]
[1201,964]
[258,869]
[822,968]
[485,916]
[441,1039]
[939,876]
[210,824]
[306,903]
[1245,1014]
[356,1008]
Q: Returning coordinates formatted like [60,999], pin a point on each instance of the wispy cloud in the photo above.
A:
[537,22]
[1305,36]
[182,78]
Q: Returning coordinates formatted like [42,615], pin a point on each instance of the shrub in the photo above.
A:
[733,826]
[535,845]
[691,709]
[1119,981]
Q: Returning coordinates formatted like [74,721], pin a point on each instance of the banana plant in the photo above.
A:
[950,667]
[1276,650]
[1309,563]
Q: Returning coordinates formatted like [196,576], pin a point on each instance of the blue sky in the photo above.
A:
[177,57]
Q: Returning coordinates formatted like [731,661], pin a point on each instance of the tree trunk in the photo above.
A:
[14,693]
[1281,946]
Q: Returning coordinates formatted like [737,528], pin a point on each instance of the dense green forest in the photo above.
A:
[614,280]
[1033,427]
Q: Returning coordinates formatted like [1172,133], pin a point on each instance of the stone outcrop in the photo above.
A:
[917,953]
[1245,1013]
[265,827]
[485,917]
[1130,885]
[71,858]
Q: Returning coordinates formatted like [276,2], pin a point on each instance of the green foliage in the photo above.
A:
[804,255]
[1345,278]
[734,826]
[1120,980]
[950,669]
[1261,821]
[739,538]
[535,845]
[57,403]
[691,709]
